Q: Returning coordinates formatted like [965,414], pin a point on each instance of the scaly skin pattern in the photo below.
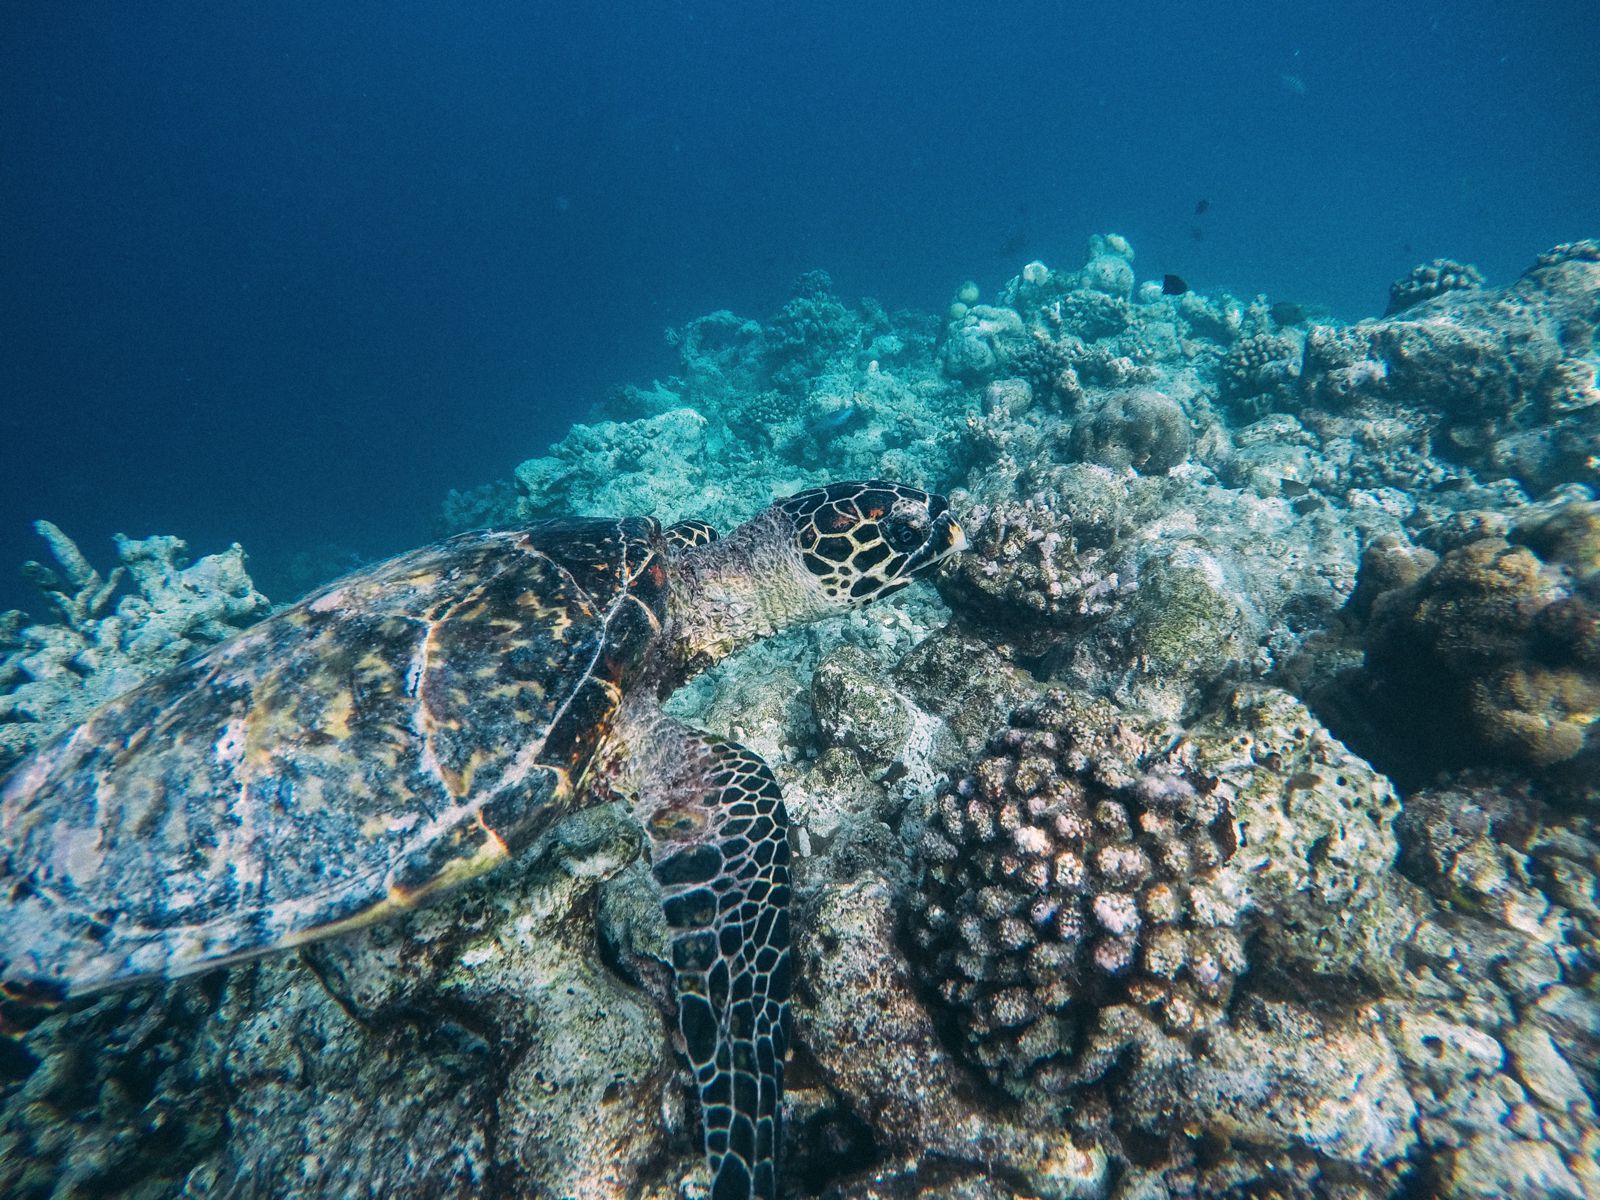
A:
[422,721]
[719,842]
[809,556]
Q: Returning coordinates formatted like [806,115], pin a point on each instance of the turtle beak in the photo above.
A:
[955,539]
[945,539]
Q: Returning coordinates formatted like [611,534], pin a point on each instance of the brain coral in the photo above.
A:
[1066,896]
[1141,428]
[1499,639]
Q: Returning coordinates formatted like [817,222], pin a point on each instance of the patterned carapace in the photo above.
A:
[426,719]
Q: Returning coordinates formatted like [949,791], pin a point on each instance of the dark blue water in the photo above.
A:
[285,274]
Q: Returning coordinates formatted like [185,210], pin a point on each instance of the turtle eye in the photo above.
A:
[906,528]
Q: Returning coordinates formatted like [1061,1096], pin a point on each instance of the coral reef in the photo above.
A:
[1490,652]
[1261,373]
[1222,825]
[1429,280]
[1505,375]
[154,610]
[823,391]
[1063,891]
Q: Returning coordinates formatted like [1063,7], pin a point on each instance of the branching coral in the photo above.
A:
[108,639]
[1260,372]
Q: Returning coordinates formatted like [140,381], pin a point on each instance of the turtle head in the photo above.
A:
[814,554]
[864,539]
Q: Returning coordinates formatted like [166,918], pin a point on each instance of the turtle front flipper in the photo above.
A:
[720,843]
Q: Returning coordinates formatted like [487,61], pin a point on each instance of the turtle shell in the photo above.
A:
[406,728]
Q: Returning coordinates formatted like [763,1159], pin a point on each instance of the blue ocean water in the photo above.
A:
[285,274]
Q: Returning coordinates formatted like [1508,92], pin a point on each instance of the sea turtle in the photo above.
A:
[422,721]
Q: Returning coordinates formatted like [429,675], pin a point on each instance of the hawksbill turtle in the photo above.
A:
[423,721]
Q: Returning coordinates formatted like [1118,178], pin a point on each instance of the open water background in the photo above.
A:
[283,274]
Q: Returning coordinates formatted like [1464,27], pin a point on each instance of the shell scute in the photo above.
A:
[403,730]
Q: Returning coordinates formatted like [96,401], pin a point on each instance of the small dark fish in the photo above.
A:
[1014,245]
[1173,285]
[1200,207]
[1197,233]
[1293,487]
[1285,312]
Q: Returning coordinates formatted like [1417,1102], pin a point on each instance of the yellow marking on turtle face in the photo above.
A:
[677,822]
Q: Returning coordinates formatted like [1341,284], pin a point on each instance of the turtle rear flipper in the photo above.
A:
[720,841]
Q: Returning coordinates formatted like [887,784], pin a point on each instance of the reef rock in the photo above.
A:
[1507,375]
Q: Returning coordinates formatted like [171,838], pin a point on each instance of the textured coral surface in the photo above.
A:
[1223,823]
[1059,883]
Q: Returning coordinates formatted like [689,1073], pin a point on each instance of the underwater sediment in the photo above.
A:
[1223,823]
